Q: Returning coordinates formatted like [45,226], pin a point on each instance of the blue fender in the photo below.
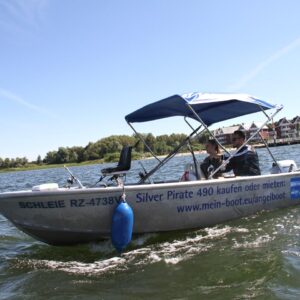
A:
[122,225]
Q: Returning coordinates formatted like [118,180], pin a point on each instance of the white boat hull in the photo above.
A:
[68,216]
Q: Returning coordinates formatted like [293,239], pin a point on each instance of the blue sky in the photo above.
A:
[71,70]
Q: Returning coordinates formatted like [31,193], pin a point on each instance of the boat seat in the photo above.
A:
[123,165]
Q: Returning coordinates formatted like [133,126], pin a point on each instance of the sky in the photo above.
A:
[71,70]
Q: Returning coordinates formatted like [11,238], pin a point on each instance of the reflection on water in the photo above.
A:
[255,257]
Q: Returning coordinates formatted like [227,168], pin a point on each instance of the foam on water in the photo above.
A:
[167,252]
[291,252]
[258,242]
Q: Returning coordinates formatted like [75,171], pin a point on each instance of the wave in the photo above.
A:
[166,252]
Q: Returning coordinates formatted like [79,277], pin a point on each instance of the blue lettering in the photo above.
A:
[264,199]
[41,204]
[174,195]
[146,197]
[73,203]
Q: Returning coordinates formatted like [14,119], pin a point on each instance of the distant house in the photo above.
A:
[296,124]
[281,129]
[284,129]
[224,134]
[272,132]
[264,131]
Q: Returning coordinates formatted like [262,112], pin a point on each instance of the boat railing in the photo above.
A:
[197,114]
[225,162]
[169,156]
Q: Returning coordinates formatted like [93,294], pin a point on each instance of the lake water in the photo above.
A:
[252,258]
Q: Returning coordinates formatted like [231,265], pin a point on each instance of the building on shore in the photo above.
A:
[296,124]
[284,128]
[225,134]
[263,132]
[283,131]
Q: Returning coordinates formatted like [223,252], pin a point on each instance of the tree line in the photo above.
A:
[18,162]
[107,149]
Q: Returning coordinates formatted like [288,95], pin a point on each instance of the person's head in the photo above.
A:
[238,138]
[212,147]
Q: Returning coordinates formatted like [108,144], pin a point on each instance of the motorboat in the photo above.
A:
[76,214]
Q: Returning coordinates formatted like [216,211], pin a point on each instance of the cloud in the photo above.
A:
[264,64]
[22,15]
[7,95]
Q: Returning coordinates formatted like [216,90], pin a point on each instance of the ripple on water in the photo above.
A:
[258,242]
[167,252]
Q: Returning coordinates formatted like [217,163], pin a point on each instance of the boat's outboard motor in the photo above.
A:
[283,166]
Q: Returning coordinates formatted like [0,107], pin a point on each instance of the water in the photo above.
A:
[252,258]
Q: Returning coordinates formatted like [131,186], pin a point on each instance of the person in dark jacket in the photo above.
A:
[245,161]
[212,161]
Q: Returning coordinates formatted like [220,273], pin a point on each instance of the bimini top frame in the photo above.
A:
[205,108]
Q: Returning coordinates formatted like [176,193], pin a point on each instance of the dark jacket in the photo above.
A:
[209,165]
[244,163]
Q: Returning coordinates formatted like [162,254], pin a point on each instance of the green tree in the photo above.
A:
[12,163]
[161,147]
[204,137]
[6,162]
[39,160]
[79,152]
[150,141]
[91,152]
[63,155]
[51,157]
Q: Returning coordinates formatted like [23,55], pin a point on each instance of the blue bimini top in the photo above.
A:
[211,108]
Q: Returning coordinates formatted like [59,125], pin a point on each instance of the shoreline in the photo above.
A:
[86,163]
[100,161]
